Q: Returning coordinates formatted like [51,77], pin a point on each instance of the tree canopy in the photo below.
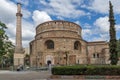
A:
[6,46]
[113,41]
[118,47]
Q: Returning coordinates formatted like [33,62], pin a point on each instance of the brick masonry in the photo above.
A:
[64,34]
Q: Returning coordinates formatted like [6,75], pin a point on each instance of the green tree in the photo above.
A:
[113,41]
[3,37]
[6,47]
[9,47]
[118,47]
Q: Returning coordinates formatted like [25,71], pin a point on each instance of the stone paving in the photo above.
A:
[39,75]
[24,75]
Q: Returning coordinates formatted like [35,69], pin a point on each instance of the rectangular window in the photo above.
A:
[97,55]
[93,55]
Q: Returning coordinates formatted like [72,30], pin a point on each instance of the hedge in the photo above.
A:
[86,70]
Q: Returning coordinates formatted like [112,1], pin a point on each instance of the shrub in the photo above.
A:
[86,70]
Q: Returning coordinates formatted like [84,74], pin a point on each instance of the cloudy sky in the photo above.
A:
[91,15]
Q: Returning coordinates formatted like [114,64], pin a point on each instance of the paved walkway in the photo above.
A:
[34,75]
[24,75]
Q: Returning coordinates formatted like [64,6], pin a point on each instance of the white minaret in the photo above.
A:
[19,52]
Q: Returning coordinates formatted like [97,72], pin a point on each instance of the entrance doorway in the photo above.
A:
[72,59]
[48,62]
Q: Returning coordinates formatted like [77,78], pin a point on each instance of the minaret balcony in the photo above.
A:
[18,14]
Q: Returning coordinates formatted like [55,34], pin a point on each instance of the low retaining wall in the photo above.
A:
[84,77]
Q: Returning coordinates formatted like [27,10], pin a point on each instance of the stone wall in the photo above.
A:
[57,25]
[64,34]
[97,52]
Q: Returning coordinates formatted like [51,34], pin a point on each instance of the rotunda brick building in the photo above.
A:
[60,43]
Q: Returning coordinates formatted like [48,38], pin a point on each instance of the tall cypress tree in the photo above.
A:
[113,41]
[118,47]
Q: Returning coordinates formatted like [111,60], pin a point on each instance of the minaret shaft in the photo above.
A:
[18,47]
[19,52]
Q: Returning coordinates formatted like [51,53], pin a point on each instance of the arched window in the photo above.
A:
[93,55]
[97,55]
[77,45]
[49,44]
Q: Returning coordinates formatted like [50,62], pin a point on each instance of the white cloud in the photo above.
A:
[24,2]
[8,16]
[86,25]
[118,31]
[101,37]
[102,6]
[7,11]
[86,34]
[28,32]
[11,29]
[40,17]
[77,22]
[92,35]
[117,27]
[98,32]
[64,8]
[26,13]
[116,6]
[43,2]
[61,9]
[103,24]
[60,18]
[99,6]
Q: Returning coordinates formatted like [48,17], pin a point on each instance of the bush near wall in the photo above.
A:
[86,70]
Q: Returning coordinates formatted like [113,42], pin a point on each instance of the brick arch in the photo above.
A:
[49,44]
[49,58]
[77,45]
